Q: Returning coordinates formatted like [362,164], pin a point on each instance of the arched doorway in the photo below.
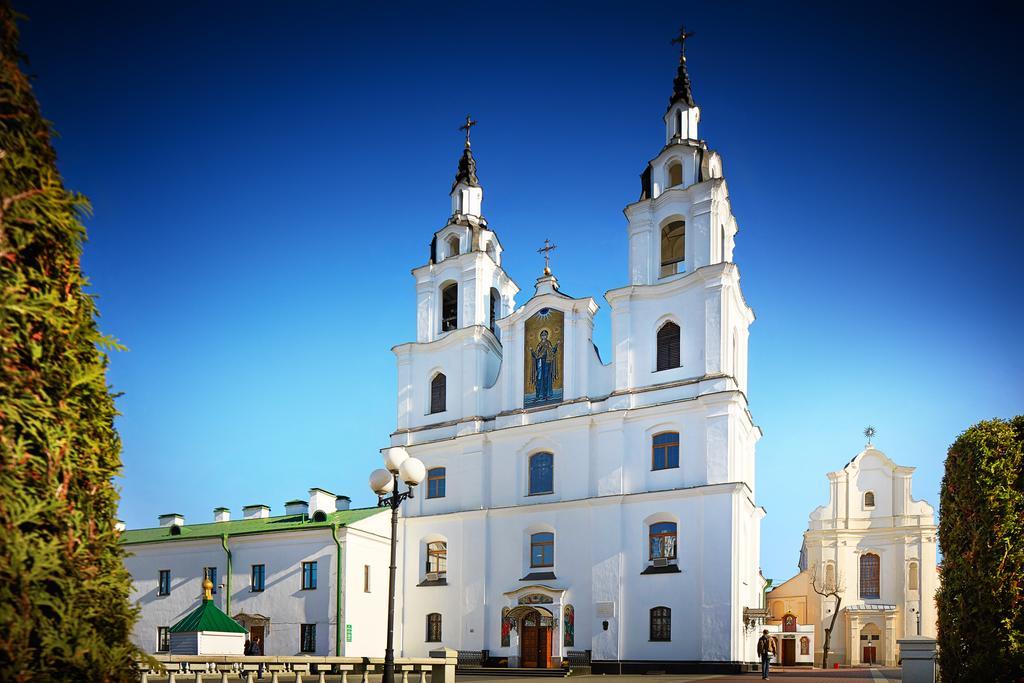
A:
[872,650]
[788,653]
[535,636]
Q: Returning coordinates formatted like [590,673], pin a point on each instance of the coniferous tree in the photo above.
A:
[65,614]
[981,533]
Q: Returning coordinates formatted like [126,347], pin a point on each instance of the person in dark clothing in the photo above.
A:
[765,650]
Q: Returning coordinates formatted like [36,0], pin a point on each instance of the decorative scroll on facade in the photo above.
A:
[543,367]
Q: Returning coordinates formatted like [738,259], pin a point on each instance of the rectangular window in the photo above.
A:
[308,575]
[366,578]
[542,550]
[665,451]
[163,639]
[164,584]
[211,574]
[435,482]
[307,638]
[259,578]
[437,558]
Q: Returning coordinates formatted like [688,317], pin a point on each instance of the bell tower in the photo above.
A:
[683,220]
[463,284]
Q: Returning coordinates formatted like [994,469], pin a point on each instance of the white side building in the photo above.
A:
[289,579]
[574,505]
[877,546]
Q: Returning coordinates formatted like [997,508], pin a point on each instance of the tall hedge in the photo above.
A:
[981,533]
[65,613]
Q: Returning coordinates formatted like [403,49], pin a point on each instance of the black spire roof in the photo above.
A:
[681,89]
[467,169]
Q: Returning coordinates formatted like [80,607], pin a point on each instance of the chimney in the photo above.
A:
[172,519]
[221,515]
[255,511]
[343,503]
[296,507]
[321,500]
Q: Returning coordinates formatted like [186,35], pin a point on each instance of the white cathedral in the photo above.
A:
[575,507]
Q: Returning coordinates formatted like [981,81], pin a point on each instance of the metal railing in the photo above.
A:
[224,668]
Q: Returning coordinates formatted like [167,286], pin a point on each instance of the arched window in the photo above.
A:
[723,243]
[665,451]
[450,307]
[675,174]
[869,579]
[668,346]
[679,123]
[869,499]
[437,559]
[438,393]
[453,245]
[661,624]
[662,541]
[912,576]
[435,482]
[805,645]
[542,471]
[433,627]
[495,309]
[542,549]
[673,248]
[830,576]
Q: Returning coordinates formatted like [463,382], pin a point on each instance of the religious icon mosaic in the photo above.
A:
[543,365]
[507,624]
[568,626]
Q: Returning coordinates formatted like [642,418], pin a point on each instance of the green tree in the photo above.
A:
[65,614]
[981,533]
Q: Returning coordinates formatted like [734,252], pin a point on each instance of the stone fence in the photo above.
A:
[222,668]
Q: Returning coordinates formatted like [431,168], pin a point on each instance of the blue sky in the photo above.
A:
[265,175]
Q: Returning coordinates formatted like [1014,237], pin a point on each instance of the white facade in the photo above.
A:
[871,520]
[607,492]
[276,613]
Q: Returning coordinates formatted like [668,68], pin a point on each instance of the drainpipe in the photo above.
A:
[227,595]
[339,584]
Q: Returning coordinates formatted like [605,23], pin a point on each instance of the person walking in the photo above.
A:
[765,650]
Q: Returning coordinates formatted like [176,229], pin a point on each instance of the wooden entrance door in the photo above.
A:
[534,643]
[869,654]
[788,652]
[256,636]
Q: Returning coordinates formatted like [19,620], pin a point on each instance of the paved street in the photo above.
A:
[795,675]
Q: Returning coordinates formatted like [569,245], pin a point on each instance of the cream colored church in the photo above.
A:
[873,546]
[581,504]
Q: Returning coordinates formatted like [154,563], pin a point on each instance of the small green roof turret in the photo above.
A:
[207,617]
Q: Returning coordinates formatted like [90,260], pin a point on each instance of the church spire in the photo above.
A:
[466,194]
[681,89]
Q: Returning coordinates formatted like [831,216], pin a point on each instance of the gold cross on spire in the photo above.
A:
[681,40]
[466,126]
[546,250]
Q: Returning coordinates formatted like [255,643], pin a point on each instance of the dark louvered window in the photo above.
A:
[438,393]
[668,346]
[433,627]
[450,307]
[661,624]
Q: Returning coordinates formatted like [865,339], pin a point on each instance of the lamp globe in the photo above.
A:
[412,471]
[381,482]
[394,457]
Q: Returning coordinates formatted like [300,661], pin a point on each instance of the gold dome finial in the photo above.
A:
[207,589]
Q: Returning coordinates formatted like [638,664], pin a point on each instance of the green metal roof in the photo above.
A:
[238,527]
[207,617]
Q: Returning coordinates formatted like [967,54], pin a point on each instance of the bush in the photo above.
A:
[64,608]
[981,534]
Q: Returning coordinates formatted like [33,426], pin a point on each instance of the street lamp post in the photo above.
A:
[398,465]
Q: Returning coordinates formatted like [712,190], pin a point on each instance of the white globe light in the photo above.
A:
[412,471]
[381,482]
[394,458]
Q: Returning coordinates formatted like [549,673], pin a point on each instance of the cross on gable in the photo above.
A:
[546,250]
